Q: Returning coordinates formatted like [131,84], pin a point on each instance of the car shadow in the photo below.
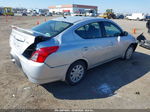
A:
[104,80]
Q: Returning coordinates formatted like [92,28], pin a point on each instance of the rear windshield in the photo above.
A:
[52,28]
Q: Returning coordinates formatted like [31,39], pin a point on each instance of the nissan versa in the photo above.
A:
[65,48]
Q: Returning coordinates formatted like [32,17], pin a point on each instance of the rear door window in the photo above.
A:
[90,31]
[111,30]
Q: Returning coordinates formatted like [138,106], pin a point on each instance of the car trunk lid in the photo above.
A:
[21,39]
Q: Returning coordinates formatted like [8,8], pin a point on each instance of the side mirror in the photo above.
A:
[125,33]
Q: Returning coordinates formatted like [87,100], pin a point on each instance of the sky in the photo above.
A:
[119,6]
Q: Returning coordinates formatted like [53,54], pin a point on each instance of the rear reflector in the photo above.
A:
[41,54]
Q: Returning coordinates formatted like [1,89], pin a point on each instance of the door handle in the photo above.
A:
[85,48]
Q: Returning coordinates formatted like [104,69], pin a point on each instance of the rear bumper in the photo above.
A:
[39,73]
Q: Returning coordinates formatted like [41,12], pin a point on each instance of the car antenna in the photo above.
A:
[64,16]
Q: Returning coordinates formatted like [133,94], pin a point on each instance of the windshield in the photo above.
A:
[52,28]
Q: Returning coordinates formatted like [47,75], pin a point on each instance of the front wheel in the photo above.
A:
[76,72]
[129,53]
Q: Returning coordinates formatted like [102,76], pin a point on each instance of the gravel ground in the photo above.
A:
[115,85]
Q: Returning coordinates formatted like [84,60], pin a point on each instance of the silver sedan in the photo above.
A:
[65,48]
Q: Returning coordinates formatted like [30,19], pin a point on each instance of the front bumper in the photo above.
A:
[39,73]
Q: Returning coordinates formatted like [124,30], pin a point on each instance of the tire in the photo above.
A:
[129,52]
[76,72]
[138,19]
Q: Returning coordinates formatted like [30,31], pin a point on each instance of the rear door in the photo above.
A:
[94,47]
[112,33]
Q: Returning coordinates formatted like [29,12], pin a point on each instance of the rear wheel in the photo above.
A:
[76,72]
[138,19]
[129,52]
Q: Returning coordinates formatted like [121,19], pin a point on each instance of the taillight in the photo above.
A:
[41,54]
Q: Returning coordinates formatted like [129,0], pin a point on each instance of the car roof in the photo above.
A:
[75,19]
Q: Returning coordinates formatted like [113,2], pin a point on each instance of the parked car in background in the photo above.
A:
[147,17]
[42,14]
[34,14]
[119,16]
[91,13]
[20,13]
[24,14]
[136,16]
[49,14]
[65,48]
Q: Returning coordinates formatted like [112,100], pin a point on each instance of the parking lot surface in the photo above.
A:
[115,85]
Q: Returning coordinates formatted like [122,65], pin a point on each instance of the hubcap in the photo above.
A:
[129,53]
[77,73]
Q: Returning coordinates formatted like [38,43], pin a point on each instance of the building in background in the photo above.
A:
[74,9]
